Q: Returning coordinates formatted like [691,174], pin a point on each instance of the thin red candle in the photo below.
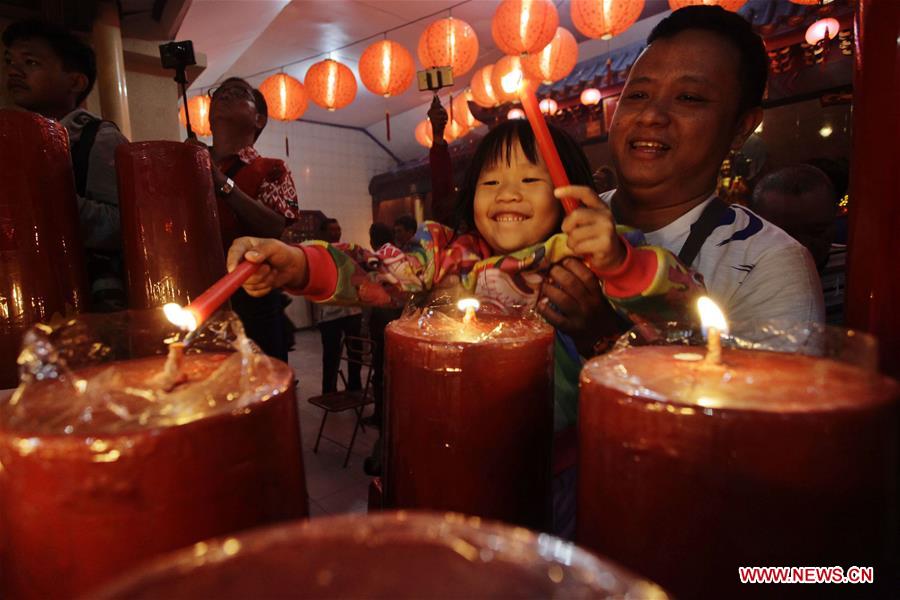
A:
[206,303]
[532,108]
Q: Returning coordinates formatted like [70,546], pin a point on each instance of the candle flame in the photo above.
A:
[711,315]
[469,306]
[511,81]
[180,316]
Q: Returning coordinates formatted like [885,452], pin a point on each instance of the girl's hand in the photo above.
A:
[282,265]
[591,229]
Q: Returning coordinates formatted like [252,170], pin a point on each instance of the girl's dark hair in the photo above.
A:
[498,145]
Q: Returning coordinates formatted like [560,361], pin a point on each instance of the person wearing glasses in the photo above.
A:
[50,71]
[256,197]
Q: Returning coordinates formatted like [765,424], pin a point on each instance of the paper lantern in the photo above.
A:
[555,61]
[548,106]
[818,31]
[449,42]
[515,113]
[524,26]
[605,18]
[330,84]
[506,68]
[482,87]
[732,5]
[198,108]
[591,96]
[454,131]
[386,68]
[285,96]
[461,112]
[423,133]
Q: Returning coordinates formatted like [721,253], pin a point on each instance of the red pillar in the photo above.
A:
[873,276]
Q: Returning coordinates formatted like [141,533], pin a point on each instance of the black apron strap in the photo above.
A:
[81,154]
[701,229]
[234,169]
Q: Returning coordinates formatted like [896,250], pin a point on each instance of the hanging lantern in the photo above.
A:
[591,97]
[555,61]
[482,87]
[605,18]
[461,112]
[823,29]
[423,133]
[504,68]
[386,68]
[198,109]
[330,84]
[285,96]
[454,131]
[449,42]
[524,26]
[515,113]
[732,5]
[549,106]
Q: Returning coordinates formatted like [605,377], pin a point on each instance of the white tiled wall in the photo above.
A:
[331,168]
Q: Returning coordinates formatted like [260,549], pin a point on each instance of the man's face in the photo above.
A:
[677,116]
[234,102]
[333,233]
[808,218]
[36,80]
[402,235]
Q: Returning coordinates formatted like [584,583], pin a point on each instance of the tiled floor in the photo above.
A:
[332,489]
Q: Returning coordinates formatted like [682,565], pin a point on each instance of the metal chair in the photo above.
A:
[356,350]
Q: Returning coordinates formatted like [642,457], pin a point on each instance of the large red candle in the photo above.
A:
[688,471]
[170,228]
[79,508]
[469,423]
[41,260]
[388,555]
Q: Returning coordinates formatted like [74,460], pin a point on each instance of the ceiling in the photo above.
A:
[244,38]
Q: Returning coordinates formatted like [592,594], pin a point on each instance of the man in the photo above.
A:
[256,196]
[802,200]
[335,323]
[405,228]
[694,94]
[50,71]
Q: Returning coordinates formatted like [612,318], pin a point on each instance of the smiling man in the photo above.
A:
[50,71]
[693,95]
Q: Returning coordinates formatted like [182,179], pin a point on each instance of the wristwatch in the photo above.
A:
[226,187]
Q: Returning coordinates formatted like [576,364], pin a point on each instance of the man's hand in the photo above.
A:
[282,265]
[439,119]
[574,303]
[591,229]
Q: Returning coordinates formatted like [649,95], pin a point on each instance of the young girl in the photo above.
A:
[509,205]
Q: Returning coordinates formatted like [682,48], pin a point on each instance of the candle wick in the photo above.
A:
[713,347]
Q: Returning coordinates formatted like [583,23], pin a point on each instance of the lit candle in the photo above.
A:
[689,468]
[194,314]
[714,325]
[469,422]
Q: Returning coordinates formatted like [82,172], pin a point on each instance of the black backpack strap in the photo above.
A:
[701,229]
[81,154]
[234,169]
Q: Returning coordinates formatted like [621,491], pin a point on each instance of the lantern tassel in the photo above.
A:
[287,148]
[387,124]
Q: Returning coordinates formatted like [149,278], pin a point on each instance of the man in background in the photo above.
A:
[405,228]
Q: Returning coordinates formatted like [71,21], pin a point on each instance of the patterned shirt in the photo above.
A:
[268,180]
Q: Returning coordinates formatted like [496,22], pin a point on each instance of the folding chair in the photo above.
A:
[345,399]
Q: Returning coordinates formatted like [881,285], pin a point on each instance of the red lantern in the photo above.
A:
[285,96]
[524,26]
[555,61]
[548,106]
[198,108]
[454,131]
[386,68]
[509,70]
[423,133]
[461,112]
[449,42]
[731,5]
[515,113]
[591,97]
[823,29]
[330,84]
[483,88]
[605,18]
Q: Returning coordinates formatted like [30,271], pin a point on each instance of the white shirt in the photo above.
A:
[752,269]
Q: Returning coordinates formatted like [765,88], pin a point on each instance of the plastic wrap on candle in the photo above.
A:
[101,468]
[170,227]
[42,273]
[469,423]
[387,555]
[785,454]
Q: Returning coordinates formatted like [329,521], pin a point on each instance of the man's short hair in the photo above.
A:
[75,55]
[262,107]
[796,180]
[407,222]
[379,235]
[753,67]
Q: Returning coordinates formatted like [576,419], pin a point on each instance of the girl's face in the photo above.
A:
[514,204]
